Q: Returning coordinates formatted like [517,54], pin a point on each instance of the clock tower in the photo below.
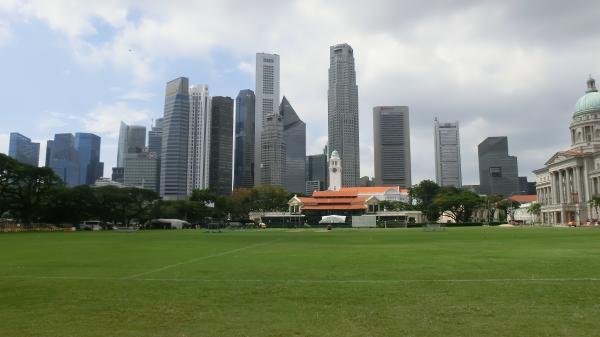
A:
[335,171]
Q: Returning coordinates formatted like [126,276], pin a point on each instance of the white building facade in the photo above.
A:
[199,138]
[571,178]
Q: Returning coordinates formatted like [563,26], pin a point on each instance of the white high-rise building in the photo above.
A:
[267,103]
[343,111]
[447,154]
[199,138]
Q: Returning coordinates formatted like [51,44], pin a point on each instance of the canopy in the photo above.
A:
[333,219]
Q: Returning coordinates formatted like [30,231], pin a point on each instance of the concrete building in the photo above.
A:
[243,172]
[391,140]
[118,174]
[342,97]
[23,150]
[571,178]
[447,154]
[174,153]
[141,170]
[316,173]
[273,153]
[221,145]
[267,105]
[498,172]
[132,139]
[198,171]
[294,136]
[49,144]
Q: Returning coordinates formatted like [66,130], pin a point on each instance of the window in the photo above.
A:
[496,172]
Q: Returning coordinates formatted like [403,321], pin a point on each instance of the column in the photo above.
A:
[586,180]
[577,183]
[560,188]
[553,187]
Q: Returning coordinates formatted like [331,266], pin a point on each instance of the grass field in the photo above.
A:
[403,282]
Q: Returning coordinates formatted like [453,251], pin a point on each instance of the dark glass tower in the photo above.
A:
[174,153]
[22,149]
[221,143]
[244,139]
[64,159]
[88,149]
[498,172]
[294,136]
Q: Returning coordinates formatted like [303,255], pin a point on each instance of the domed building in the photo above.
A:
[571,178]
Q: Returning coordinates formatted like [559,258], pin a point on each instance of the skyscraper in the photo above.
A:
[49,145]
[243,172]
[132,139]
[498,172]
[221,145]
[267,104]
[199,139]
[294,136]
[174,153]
[391,138]
[343,112]
[155,138]
[64,158]
[23,150]
[316,173]
[447,154]
[88,149]
[273,155]
[141,170]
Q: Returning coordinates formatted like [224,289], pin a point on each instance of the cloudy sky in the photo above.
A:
[501,68]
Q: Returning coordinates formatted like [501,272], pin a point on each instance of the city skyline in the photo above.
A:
[116,78]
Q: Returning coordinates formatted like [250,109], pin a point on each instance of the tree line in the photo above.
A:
[31,194]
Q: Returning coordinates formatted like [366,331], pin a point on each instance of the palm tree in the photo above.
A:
[594,203]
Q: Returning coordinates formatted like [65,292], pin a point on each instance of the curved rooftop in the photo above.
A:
[589,101]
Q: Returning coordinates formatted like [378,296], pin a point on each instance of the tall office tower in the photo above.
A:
[498,172]
[267,104]
[64,159]
[174,153]
[88,149]
[294,136]
[118,174]
[23,150]
[132,139]
[199,139]
[316,173]
[447,154]
[243,171]
[221,145]
[391,138]
[155,138]
[49,144]
[273,151]
[343,111]
[141,170]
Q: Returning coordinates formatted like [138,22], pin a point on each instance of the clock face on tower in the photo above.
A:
[334,170]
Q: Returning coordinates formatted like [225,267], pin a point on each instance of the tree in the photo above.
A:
[396,206]
[535,209]
[268,198]
[457,204]
[506,204]
[423,195]
[594,203]
[490,204]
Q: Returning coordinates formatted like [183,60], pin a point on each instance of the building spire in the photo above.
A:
[591,85]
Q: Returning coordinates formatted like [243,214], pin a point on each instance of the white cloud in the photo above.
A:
[4,140]
[6,34]
[247,67]
[52,121]
[105,118]
[138,95]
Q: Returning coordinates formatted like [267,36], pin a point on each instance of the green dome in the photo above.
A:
[589,101]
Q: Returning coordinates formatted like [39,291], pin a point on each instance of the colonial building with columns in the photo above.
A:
[571,178]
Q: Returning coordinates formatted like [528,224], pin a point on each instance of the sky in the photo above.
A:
[501,68]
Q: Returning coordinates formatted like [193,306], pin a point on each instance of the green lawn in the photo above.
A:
[396,282]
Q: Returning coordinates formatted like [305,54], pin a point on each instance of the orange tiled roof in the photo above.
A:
[524,198]
[325,207]
[315,201]
[339,194]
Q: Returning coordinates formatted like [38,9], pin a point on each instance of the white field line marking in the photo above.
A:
[185,279]
[136,276]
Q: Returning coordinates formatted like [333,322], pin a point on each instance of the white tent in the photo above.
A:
[333,219]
